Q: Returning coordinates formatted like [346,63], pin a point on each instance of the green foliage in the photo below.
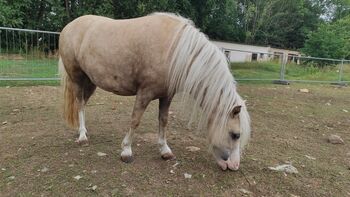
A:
[341,9]
[330,40]
[278,23]
[282,23]
[10,13]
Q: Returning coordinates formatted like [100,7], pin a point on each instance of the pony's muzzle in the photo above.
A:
[226,159]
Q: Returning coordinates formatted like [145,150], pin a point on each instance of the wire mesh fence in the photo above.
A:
[28,54]
[32,55]
[284,68]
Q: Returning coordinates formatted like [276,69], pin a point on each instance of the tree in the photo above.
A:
[11,13]
[330,40]
[338,9]
[279,23]
[218,19]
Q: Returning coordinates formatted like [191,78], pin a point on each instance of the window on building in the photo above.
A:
[261,56]
[254,57]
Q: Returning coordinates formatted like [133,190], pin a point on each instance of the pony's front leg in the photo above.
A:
[139,108]
[165,151]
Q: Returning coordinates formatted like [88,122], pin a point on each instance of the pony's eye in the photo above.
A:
[234,136]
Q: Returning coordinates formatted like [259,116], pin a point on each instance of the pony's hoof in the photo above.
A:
[127,159]
[168,156]
[82,142]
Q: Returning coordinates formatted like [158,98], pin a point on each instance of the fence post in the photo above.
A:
[282,80]
[0,41]
[341,71]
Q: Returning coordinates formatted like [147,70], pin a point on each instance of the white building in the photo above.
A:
[247,53]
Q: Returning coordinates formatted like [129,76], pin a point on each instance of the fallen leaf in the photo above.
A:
[309,157]
[11,177]
[45,169]
[78,177]
[335,139]
[285,168]
[90,187]
[176,164]
[101,154]
[244,191]
[192,148]
[304,90]
[187,176]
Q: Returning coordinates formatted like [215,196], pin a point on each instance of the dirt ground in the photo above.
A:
[38,155]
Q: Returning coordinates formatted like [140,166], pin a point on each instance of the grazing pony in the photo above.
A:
[153,57]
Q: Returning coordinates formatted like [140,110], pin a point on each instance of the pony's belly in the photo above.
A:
[120,87]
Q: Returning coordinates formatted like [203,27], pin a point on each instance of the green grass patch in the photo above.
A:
[266,71]
[29,83]
[28,68]
[256,70]
[271,70]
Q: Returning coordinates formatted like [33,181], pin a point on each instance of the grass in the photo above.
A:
[271,71]
[35,68]
[28,68]
[47,68]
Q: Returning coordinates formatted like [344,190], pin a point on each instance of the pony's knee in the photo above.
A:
[135,124]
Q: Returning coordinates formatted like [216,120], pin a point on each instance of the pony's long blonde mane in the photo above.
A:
[198,68]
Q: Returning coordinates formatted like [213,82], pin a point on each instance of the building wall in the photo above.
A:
[241,52]
[247,53]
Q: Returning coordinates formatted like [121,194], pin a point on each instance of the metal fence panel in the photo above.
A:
[254,66]
[28,54]
[284,68]
[33,55]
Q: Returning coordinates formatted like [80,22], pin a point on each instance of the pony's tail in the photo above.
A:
[70,106]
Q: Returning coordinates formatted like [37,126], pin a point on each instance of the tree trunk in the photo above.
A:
[67,9]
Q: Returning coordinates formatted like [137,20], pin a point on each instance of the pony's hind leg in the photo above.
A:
[141,103]
[87,88]
[165,151]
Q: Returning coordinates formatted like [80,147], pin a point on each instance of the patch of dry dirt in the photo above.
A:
[38,155]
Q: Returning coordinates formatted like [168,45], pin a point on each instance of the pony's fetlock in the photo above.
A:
[82,139]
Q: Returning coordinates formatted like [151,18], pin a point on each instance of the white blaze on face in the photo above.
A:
[234,160]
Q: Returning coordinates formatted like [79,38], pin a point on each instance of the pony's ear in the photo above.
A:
[236,111]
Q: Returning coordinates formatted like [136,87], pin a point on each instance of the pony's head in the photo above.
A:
[200,69]
[228,142]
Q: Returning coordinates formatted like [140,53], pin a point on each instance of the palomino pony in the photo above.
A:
[153,57]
